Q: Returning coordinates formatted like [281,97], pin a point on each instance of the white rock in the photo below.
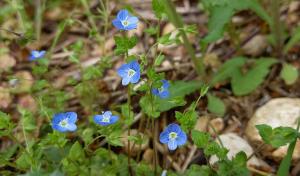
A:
[256,45]
[236,144]
[277,112]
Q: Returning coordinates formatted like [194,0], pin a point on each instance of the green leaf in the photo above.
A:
[128,115]
[196,170]
[159,59]
[285,164]
[228,69]
[87,135]
[28,120]
[294,40]
[76,152]
[213,148]
[24,160]
[204,90]
[149,107]
[178,90]
[277,137]
[158,8]
[200,138]
[167,39]
[187,119]
[237,166]
[243,84]
[114,138]
[124,44]
[221,12]
[216,105]
[289,74]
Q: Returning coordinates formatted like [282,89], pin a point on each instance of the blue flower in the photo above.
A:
[130,73]
[34,55]
[163,91]
[106,118]
[125,21]
[173,136]
[64,122]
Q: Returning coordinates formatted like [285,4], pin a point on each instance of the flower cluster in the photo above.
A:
[130,72]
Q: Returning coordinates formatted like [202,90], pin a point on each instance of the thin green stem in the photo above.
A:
[39,8]
[128,132]
[153,133]
[178,23]
[277,27]
[90,18]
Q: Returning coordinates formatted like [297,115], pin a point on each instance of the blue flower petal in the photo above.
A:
[155,91]
[71,127]
[72,117]
[173,127]
[122,71]
[181,138]
[122,15]
[164,94]
[134,65]
[133,20]
[166,84]
[118,24]
[172,144]
[114,119]
[125,81]
[59,128]
[135,78]
[164,137]
[98,118]
[57,118]
[107,113]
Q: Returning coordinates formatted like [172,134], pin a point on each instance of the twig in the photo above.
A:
[189,158]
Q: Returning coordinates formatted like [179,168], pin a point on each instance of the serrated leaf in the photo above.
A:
[148,107]
[289,74]
[243,84]
[216,105]
[197,170]
[277,137]
[187,119]
[200,139]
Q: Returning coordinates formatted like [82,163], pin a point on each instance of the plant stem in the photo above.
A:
[128,132]
[38,18]
[277,27]
[90,18]
[287,160]
[178,23]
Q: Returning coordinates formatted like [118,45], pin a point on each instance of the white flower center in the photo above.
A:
[172,135]
[131,72]
[63,123]
[125,23]
[161,89]
[106,118]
